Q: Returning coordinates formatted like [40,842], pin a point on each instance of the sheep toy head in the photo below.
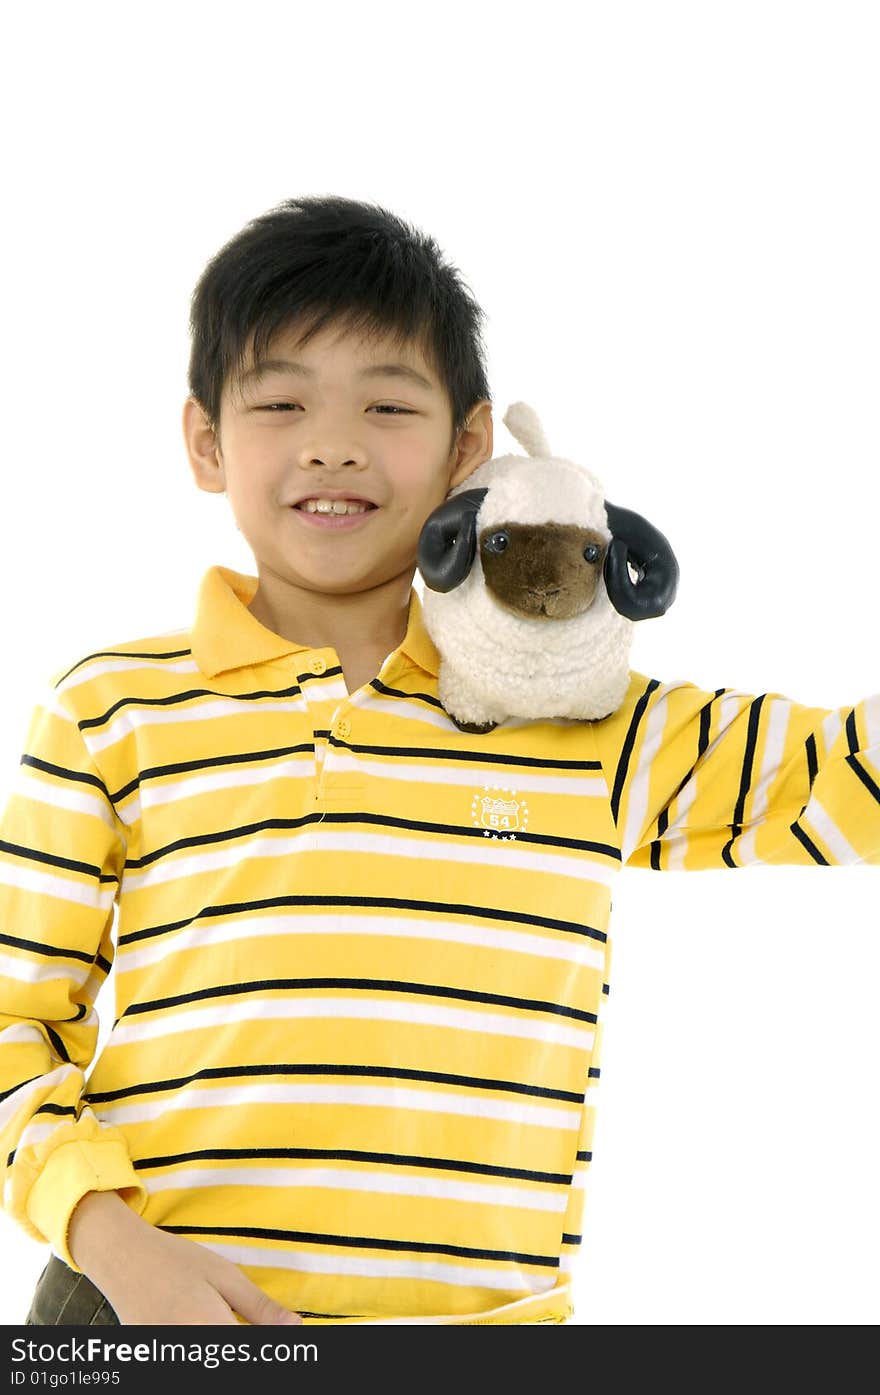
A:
[529,599]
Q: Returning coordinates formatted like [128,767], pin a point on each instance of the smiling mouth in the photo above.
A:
[340,507]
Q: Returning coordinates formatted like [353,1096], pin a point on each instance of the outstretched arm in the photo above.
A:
[701,779]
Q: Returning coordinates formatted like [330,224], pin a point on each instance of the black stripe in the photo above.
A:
[52,860]
[478,757]
[387,1072]
[593,1073]
[6,1094]
[390,985]
[317,678]
[56,1109]
[571,1239]
[358,1155]
[867,780]
[627,749]
[81,777]
[745,778]
[123,654]
[812,758]
[50,950]
[58,1044]
[585,1156]
[363,1242]
[210,763]
[451,830]
[851,733]
[702,743]
[419,695]
[173,699]
[382,902]
[809,845]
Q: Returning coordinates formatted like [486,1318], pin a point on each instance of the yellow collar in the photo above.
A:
[225,635]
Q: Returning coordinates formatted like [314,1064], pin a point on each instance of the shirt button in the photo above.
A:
[317,665]
[343,727]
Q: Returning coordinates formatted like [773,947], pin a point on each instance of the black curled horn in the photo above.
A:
[448,541]
[638,542]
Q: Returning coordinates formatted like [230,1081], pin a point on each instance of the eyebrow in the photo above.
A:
[376,370]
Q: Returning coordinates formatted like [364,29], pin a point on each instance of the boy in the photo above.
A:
[351,1073]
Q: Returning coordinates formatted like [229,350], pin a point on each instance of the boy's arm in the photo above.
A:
[701,780]
[62,851]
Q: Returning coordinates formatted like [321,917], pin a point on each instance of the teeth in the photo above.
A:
[332,506]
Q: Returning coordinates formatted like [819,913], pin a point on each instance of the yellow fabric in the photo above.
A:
[360,958]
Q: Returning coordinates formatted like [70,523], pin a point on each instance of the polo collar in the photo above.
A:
[226,635]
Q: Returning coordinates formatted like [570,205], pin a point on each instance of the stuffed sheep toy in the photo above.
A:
[529,599]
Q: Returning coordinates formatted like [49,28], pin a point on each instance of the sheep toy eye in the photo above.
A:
[591,552]
[496,542]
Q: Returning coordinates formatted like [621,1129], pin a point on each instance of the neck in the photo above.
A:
[359,622]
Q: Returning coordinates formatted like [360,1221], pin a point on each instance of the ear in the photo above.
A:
[203,448]
[473,445]
[637,542]
[448,541]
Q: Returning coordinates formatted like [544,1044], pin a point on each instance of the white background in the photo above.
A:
[670,213]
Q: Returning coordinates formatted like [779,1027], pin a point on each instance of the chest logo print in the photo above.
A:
[499,814]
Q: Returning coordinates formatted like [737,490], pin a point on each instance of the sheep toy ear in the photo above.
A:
[523,423]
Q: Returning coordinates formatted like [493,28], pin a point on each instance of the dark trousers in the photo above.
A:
[63,1298]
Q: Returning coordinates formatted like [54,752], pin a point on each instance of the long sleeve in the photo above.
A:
[62,851]
[701,780]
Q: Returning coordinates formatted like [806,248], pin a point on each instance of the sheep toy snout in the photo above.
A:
[551,571]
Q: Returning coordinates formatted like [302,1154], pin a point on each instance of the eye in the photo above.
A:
[591,552]
[283,406]
[496,542]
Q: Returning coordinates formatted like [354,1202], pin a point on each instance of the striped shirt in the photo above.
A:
[360,957]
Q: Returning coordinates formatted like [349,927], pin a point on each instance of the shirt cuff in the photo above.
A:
[70,1171]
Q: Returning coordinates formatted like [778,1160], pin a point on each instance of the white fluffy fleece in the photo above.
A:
[495,664]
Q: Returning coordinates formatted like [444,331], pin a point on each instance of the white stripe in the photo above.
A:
[778,721]
[506,1313]
[476,776]
[62,795]
[728,710]
[262,1257]
[131,718]
[27,970]
[376,1009]
[575,949]
[154,794]
[136,664]
[22,1031]
[319,839]
[832,727]
[46,884]
[33,1089]
[373,1096]
[817,821]
[639,772]
[485,1194]
[39,1132]
[406,710]
[321,690]
[871,709]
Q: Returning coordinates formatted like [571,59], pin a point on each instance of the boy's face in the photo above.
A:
[341,425]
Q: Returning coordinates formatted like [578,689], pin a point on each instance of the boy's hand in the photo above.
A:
[151,1278]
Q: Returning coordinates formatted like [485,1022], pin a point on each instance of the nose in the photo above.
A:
[327,461]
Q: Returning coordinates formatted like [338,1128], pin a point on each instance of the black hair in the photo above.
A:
[326,259]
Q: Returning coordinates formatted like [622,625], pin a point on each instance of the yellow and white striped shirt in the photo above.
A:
[360,956]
